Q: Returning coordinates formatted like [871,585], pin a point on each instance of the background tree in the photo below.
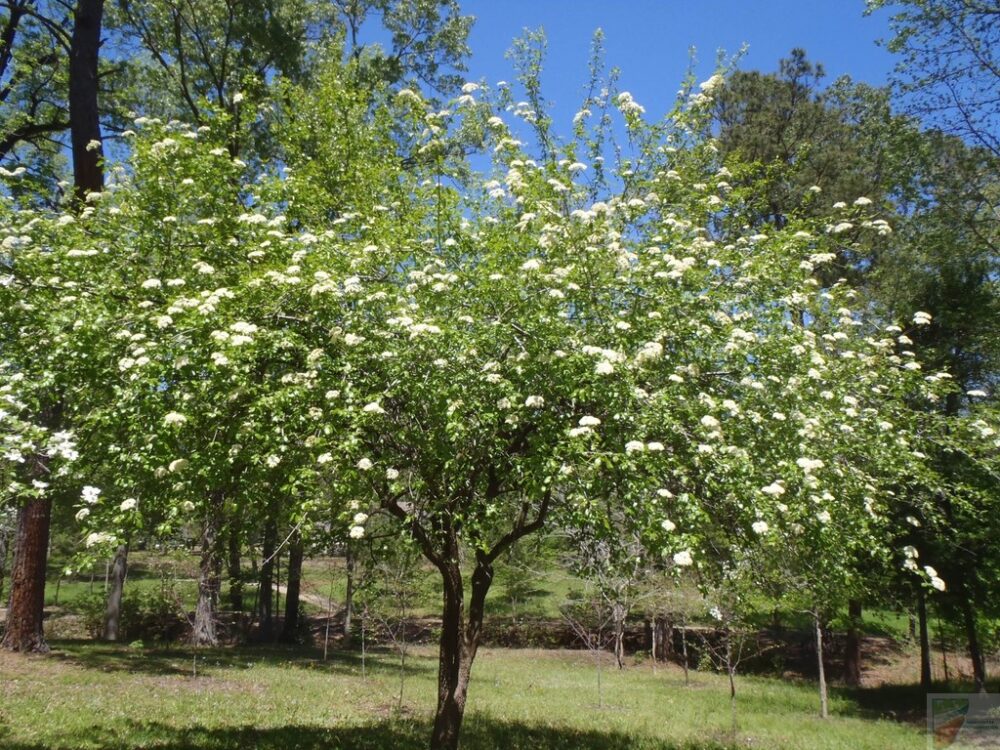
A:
[949,68]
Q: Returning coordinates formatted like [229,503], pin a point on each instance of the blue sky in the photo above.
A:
[649,40]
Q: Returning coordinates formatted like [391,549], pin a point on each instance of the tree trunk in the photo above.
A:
[113,610]
[27,579]
[233,568]
[925,640]
[944,653]
[290,628]
[823,698]
[459,643]
[84,119]
[852,652]
[684,654]
[265,597]
[975,649]
[618,615]
[4,534]
[663,636]
[209,576]
[349,596]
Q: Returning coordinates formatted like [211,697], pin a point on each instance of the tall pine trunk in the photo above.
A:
[4,537]
[205,632]
[27,579]
[925,640]
[84,117]
[290,627]
[852,650]
[113,609]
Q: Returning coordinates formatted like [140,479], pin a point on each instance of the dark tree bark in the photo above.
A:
[205,632]
[459,644]
[663,637]
[234,570]
[925,640]
[290,627]
[4,535]
[461,633]
[349,594]
[113,611]
[265,596]
[852,651]
[84,117]
[975,648]
[27,579]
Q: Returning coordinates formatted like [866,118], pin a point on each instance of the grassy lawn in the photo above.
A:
[96,696]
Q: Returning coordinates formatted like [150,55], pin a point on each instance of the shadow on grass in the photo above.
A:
[478,734]
[181,660]
[905,703]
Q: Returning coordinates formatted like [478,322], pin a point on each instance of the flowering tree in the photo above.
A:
[519,356]
[475,359]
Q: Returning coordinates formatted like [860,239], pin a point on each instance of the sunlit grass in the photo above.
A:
[96,696]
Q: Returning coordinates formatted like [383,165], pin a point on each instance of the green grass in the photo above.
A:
[88,696]
[327,577]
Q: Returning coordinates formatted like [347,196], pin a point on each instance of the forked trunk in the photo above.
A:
[459,643]
[113,609]
[852,651]
[205,632]
[27,579]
